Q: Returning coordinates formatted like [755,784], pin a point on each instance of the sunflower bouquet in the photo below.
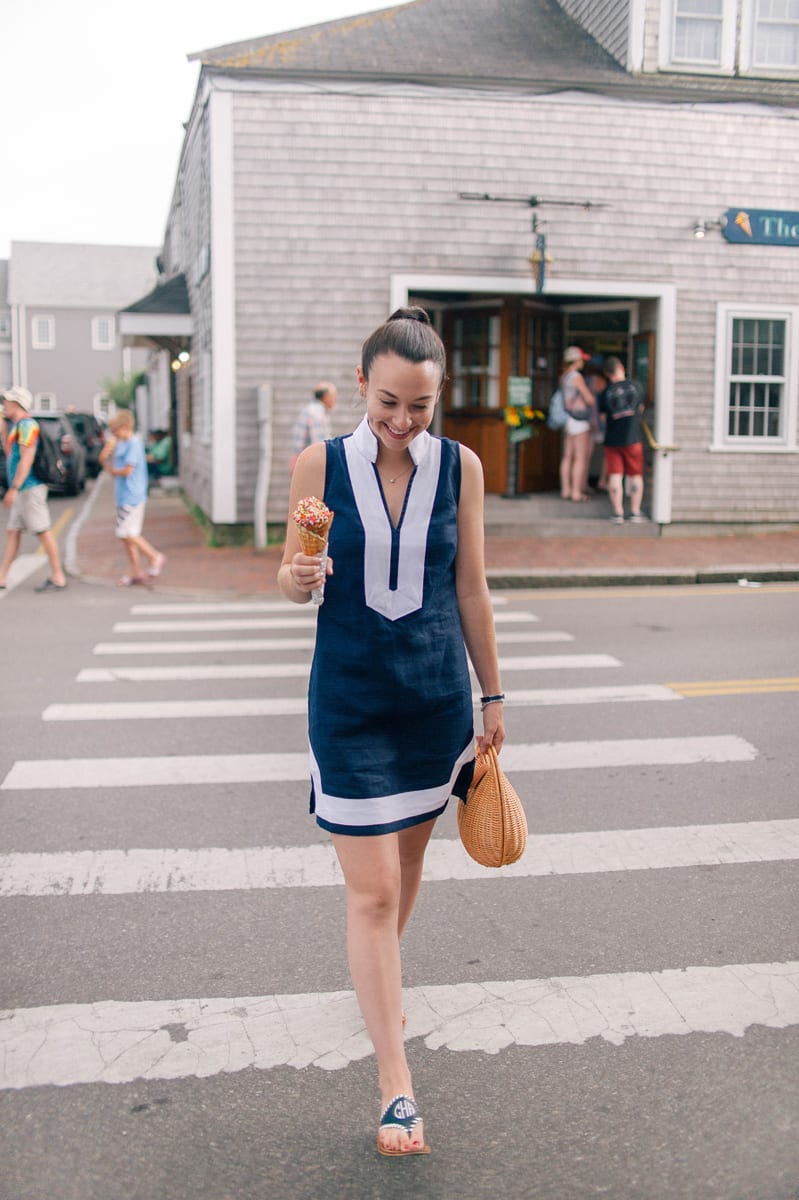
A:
[521,420]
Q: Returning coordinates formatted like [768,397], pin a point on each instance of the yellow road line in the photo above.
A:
[60,524]
[735,687]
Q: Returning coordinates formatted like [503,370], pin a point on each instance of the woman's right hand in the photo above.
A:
[306,572]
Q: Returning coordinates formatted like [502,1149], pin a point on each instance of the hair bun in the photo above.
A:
[411,313]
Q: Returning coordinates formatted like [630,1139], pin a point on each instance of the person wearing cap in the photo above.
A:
[26,496]
[581,420]
[313,421]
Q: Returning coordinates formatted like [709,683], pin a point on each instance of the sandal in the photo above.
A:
[401,1113]
[130,580]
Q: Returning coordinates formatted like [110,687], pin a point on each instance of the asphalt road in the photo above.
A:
[621,1022]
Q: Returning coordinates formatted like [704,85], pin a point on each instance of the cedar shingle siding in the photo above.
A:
[346,171]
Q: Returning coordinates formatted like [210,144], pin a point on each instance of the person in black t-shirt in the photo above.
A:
[622,402]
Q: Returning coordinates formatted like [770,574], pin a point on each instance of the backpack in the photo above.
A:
[48,465]
[556,417]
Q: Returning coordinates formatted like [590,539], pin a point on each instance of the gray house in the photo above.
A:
[535,173]
[62,310]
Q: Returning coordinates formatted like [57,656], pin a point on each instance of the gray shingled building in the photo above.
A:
[536,174]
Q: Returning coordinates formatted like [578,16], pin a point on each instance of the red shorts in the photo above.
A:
[625,460]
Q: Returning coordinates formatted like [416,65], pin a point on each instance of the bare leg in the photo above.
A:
[567,466]
[373,876]
[615,494]
[133,557]
[412,846]
[10,552]
[636,494]
[583,445]
[47,540]
[152,555]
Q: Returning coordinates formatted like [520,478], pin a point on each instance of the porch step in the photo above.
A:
[546,515]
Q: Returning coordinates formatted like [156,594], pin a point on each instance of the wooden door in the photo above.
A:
[541,347]
[477,342]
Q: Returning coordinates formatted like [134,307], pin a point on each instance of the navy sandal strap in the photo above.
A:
[401,1113]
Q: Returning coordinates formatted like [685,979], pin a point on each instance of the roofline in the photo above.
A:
[658,88]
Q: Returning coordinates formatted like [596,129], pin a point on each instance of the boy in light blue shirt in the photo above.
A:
[124,457]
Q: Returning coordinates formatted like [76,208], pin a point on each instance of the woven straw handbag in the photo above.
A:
[491,820]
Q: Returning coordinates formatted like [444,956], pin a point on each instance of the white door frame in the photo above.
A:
[404,285]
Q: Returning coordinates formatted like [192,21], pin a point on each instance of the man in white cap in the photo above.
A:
[26,496]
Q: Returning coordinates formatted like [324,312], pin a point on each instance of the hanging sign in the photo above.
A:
[761,226]
[520,391]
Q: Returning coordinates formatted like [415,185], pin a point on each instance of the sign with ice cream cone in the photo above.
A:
[761,226]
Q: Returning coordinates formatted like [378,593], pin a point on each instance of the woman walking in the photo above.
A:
[390,704]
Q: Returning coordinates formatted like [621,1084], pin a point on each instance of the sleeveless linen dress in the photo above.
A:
[390,697]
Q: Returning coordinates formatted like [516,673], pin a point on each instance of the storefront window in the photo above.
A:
[475,364]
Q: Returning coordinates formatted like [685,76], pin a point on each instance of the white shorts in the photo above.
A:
[130,520]
[29,510]
[574,426]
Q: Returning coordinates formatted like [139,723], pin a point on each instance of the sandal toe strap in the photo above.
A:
[401,1113]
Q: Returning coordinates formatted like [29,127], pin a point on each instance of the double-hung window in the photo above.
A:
[770,36]
[756,387]
[698,35]
[42,332]
[103,333]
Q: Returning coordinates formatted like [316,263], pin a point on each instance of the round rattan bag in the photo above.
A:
[491,819]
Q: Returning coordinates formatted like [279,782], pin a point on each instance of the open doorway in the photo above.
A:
[491,343]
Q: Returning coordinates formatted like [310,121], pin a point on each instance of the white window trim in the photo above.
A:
[666,59]
[46,401]
[97,344]
[787,444]
[747,51]
[36,343]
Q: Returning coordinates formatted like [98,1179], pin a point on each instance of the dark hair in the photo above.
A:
[409,334]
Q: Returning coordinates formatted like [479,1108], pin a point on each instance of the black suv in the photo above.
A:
[58,426]
[91,432]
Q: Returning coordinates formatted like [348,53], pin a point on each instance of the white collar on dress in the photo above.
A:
[366,442]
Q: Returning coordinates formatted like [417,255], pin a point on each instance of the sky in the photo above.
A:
[93,96]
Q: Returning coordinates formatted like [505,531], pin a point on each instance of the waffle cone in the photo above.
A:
[313,541]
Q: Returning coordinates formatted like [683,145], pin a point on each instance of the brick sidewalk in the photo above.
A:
[193,566]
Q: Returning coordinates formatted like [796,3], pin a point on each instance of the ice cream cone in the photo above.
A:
[312,542]
[312,520]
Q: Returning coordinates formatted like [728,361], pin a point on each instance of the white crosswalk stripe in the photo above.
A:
[199,769]
[116,1042]
[248,645]
[298,621]
[120,872]
[550,662]
[157,710]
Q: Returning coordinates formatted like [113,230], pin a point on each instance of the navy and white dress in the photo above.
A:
[390,697]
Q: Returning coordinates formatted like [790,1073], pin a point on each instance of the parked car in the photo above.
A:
[91,432]
[59,427]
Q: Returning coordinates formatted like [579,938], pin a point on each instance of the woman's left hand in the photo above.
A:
[493,728]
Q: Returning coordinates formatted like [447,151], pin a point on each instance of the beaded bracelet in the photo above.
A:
[485,700]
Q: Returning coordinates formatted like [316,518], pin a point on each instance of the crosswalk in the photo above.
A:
[169,1037]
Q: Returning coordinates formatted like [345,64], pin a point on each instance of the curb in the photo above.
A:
[542,578]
